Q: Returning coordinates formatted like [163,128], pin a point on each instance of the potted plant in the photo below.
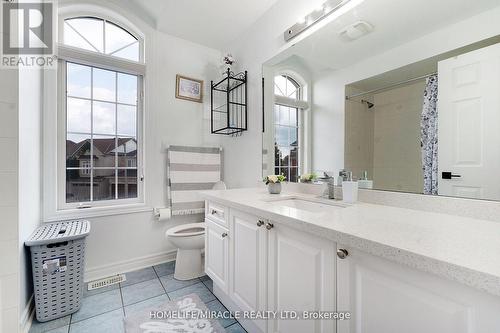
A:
[308,178]
[273,183]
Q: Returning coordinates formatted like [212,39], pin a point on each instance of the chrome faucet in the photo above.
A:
[344,174]
[330,185]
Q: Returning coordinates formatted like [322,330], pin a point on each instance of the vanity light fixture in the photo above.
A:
[331,7]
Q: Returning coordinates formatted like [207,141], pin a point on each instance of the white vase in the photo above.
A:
[274,188]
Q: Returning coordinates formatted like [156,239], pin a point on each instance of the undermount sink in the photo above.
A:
[309,205]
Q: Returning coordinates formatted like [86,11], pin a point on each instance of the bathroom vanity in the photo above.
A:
[393,269]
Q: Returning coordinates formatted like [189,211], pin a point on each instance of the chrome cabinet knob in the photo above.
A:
[214,212]
[224,235]
[260,223]
[342,253]
[269,226]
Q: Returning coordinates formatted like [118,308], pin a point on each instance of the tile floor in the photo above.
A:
[103,309]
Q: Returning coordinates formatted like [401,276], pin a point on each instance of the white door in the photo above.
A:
[301,278]
[216,254]
[248,264]
[469,123]
[383,296]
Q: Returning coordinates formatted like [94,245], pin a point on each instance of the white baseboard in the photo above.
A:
[27,316]
[100,272]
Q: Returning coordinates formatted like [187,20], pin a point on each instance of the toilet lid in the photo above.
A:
[186,230]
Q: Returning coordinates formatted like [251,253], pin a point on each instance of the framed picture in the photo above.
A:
[189,89]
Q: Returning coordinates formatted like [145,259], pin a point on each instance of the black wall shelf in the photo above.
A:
[228,101]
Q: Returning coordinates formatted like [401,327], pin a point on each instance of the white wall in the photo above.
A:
[243,155]
[30,174]
[9,250]
[264,40]
[327,126]
[124,242]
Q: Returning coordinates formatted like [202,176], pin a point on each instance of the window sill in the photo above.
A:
[72,214]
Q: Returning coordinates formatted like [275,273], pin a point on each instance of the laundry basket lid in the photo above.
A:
[59,232]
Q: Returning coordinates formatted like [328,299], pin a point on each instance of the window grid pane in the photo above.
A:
[101,163]
[101,36]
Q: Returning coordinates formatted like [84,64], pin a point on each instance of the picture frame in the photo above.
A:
[188,88]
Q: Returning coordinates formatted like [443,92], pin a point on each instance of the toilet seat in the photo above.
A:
[187,230]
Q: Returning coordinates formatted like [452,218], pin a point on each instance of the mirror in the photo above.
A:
[402,113]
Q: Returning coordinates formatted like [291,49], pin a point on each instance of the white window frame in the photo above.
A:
[103,61]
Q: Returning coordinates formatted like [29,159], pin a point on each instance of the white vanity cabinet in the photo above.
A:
[271,267]
[301,277]
[217,253]
[261,265]
[248,263]
[384,296]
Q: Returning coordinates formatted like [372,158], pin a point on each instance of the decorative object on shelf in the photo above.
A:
[308,177]
[273,183]
[227,64]
[189,89]
[228,100]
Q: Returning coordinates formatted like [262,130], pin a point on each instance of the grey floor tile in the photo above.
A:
[109,322]
[215,305]
[146,305]
[64,329]
[171,284]
[38,327]
[198,288]
[209,284]
[165,268]
[141,275]
[236,328]
[98,290]
[142,291]
[204,278]
[98,304]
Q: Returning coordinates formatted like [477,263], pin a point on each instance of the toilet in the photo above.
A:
[190,240]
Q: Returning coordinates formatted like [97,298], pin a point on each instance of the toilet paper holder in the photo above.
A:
[161,214]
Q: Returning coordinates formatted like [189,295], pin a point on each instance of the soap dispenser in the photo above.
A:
[363,182]
[349,189]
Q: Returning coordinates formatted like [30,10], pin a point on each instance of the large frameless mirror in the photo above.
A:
[429,126]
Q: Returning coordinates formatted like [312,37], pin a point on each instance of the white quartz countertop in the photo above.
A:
[462,249]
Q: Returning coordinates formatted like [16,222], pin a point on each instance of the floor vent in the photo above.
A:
[106,282]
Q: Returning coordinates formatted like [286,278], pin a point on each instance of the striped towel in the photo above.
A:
[192,169]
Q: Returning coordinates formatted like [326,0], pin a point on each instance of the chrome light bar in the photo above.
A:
[315,16]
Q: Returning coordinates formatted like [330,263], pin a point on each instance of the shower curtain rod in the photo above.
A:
[390,86]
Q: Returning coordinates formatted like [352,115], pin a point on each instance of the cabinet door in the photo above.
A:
[216,254]
[384,296]
[248,263]
[301,278]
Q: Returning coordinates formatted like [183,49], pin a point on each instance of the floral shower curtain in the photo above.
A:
[429,136]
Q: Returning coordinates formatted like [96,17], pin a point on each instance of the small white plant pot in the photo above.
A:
[274,188]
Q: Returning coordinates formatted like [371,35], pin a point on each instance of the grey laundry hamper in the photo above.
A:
[58,260]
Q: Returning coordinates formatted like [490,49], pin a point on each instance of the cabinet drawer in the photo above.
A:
[217,213]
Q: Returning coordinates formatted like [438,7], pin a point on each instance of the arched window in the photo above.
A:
[287,126]
[100,87]
[101,36]
[286,86]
